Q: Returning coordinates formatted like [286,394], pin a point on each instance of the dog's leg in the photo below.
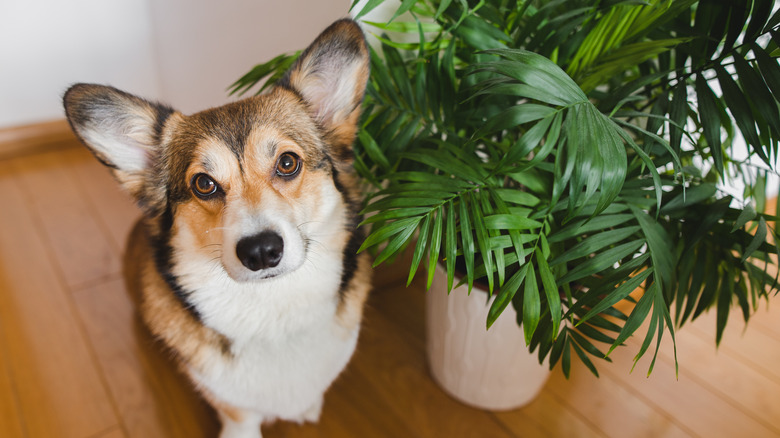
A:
[239,424]
[312,415]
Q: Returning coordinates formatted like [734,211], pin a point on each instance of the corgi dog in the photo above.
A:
[244,263]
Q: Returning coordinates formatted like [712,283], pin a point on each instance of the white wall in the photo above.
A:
[204,46]
[183,52]
[46,45]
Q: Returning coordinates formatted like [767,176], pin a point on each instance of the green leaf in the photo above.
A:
[586,226]
[505,294]
[740,109]
[405,6]
[509,222]
[557,348]
[531,304]
[691,196]
[399,213]
[636,318]
[401,202]
[658,242]
[620,293]
[584,358]
[391,229]
[601,261]
[372,149]
[612,101]
[759,94]
[650,165]
[518,197]
[505,88]
[468,241]
[678,112]
[769,68]
[536,71]
[442,7]
[482,239]
[725,293]
[444,161]
[405,26]
[595,334]
[758,239]
[395,244]
[747,214]
[758,17]
[526,143]
[451,245]
[708,109]
[566,358]
[594,244]
[514,116]
[436,237]
[368,7]
[550,290]
[419,249]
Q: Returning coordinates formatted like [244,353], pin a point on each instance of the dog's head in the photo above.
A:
[253,183]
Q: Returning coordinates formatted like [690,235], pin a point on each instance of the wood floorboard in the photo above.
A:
[767,318]
[685,400]
[395,368]
[617,412]
[10,415]
[749,344]
[76,362]
[405,308]
[154,400]
[82,250]
[113,208]
[59,388]
[749,391]
[112,433]
[547,416]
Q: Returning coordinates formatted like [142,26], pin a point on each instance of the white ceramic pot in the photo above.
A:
[488,369]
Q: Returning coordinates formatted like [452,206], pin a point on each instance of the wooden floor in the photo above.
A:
[74,361]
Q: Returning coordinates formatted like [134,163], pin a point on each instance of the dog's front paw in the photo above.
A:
[246,426]
[240,430]
[312,415]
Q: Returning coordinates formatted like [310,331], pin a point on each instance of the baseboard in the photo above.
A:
[36,137]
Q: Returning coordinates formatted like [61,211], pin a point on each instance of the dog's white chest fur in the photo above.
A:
[287,346]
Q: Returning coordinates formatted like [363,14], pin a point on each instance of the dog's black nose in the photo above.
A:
[260,251]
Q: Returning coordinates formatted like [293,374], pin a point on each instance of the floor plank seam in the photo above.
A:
[61,279]
[95,282]
[703,383]
[93,211]
[649,402]
[565,402]
[734,354]
[108,431]
[734,403]
[503,426]
[14,387]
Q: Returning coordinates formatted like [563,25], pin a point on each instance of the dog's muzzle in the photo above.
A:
[261,251]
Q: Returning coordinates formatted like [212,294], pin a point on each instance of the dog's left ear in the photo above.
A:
[123,131]
[331,76]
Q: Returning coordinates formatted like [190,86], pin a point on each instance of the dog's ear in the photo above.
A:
[331,76]
[123,131]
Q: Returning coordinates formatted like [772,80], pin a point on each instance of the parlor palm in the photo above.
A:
[569,152]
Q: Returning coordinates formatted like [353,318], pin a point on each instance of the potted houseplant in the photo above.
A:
[568,153]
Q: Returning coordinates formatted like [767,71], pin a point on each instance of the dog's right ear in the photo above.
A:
[123,131]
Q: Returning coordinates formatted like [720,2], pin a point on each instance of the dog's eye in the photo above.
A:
[203,185]
[288,165]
